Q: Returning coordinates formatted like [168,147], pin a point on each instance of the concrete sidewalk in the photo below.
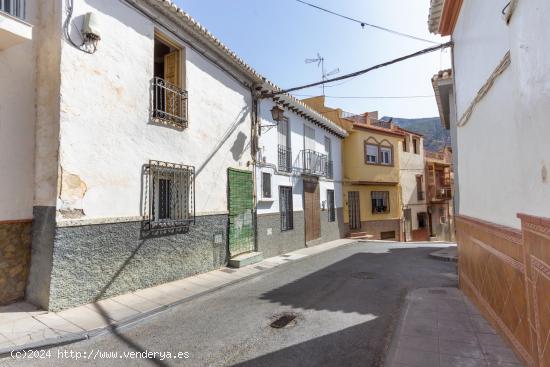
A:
[440,327]
[23,326]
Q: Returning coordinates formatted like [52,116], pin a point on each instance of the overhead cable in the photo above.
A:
[364,71]
[363,24]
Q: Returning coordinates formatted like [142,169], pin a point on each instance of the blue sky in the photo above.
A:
[275,37]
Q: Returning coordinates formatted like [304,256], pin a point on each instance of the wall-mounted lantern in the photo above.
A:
[277,112]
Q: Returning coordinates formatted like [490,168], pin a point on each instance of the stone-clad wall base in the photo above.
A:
[98,261]
[375,227]
[279,242]
[330,231]
[15,250]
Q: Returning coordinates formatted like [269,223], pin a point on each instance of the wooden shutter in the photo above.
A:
[171,67]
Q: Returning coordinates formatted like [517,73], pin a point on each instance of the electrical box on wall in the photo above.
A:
[90,28]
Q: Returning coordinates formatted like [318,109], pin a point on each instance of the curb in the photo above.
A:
[132,320]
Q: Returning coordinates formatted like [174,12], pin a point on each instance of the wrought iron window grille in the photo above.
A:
[168,103]
[286,208]
[330,206]
[284,158]
[16,8]
[171,199]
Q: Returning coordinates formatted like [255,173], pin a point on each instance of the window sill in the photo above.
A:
[266,199]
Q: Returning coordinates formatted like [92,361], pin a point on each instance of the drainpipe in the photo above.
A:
[254,152]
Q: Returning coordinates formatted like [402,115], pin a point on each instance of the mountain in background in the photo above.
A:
[435,135]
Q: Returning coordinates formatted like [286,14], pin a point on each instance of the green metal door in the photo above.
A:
[241,204]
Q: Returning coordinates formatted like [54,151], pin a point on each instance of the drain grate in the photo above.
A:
[283,321]
[260,267]
[363,275]
[437,291]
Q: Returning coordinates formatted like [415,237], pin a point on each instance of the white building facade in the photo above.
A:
[299,176]
[496,102]
[413,187]
[133,145]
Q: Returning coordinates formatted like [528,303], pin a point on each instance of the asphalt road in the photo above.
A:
[346,302]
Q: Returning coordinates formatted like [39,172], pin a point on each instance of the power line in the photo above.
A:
[363,24]
[364,71]
[366,97]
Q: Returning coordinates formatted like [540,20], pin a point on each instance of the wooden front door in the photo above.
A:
[312,210]
[354,210]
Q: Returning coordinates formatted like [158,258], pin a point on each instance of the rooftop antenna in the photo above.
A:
[320,60]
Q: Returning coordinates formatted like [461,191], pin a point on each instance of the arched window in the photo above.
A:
[380,153]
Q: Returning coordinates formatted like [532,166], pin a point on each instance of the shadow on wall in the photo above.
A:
[241,118]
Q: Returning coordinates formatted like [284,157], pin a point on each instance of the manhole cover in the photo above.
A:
[363,275]
[283,320]
[437,291]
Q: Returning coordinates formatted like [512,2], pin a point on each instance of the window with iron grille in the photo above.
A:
[266,185]
[330,206]
[13,7]
[171,195]
[286,208]
[380,202]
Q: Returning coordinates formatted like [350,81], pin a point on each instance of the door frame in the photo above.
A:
[356,213]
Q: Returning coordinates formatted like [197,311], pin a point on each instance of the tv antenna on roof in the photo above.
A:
[320,60]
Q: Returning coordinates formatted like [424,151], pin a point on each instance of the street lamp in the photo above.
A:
[277,113]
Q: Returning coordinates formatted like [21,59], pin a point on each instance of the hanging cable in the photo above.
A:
[366,97]
[363,24]
[364,71]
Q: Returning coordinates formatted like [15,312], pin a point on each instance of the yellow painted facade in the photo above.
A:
[363,177]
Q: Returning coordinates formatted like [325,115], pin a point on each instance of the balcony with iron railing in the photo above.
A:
[284,158]
[439,193]
[13,28]
[169,103]
[314,163]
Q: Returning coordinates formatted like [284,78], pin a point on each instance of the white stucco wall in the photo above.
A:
[503,149]
[106,137]
[411,165]
[17,120]
[268,143]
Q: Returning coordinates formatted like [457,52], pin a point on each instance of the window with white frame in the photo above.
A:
[371,151]
[385,155]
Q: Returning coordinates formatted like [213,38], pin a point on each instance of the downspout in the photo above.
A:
[254,154]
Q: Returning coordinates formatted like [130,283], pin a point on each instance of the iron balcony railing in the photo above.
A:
[16,8]
[443,193]
[169,103]
[284,158]
[314,163]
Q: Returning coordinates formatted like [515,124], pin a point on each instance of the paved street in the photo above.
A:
[346,302]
